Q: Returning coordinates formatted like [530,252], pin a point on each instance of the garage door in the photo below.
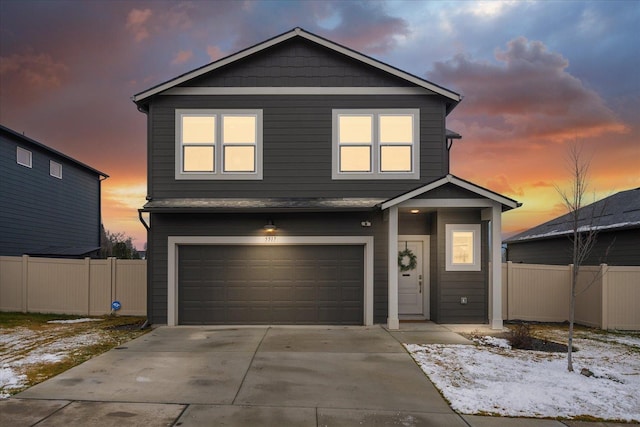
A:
[297,284]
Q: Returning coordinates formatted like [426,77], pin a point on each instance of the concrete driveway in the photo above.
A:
[266,376]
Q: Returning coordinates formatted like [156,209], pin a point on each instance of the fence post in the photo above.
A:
[25,283]
[87,276]
[113,264]
[509,289]
[604,281]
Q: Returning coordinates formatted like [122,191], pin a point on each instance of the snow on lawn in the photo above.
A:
[83,320]
[489,378]
[21,348]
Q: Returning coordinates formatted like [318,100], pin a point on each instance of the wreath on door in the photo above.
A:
[407,260]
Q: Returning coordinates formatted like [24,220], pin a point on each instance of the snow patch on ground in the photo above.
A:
[492,341]
[519,383]
[23,347]
[84,319]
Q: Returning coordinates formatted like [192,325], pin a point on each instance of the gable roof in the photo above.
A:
[299,32]
[25,139]
[616,212]
[506,202]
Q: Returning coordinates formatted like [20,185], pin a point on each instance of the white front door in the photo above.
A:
[411,280]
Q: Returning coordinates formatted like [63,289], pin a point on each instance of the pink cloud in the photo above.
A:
[214,52]
[527,94]
[136,23]
[27,75]
[501,184]
[182,57]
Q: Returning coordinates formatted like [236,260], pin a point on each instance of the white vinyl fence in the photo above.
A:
[73,286]
[608,296]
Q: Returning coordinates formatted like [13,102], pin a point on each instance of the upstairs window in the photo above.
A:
[23,157]
[218,144]
[55,169]
[376,144]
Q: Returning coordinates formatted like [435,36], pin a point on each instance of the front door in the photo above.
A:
[410,277]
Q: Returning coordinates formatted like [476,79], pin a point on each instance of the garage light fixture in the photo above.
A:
[270,227]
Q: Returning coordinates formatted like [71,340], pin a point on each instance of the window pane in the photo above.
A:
[239,129]
[198,129]
[355,159]
[395,158]
[198,159]
[396,129]
[239,159]
[355,129]
[462,247]
[23,157]
[55,169]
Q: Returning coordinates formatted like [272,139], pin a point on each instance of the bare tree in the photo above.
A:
[583,229]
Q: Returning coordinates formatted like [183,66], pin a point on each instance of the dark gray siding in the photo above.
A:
[449,191]
[38,210]
[613,248]
[448,286]
[298,224]
[300,63]
[297,132]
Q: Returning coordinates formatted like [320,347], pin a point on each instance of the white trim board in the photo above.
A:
[173,243]
[295,90]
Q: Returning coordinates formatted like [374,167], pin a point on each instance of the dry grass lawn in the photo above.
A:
[32,349]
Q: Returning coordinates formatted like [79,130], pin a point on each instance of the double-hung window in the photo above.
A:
[376,144]
[218,144]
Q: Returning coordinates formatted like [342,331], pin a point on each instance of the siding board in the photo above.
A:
[45,211]
[297,145]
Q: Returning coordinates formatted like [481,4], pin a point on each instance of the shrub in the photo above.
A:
[520,336]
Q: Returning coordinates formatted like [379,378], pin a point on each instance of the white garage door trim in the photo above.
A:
[174,243]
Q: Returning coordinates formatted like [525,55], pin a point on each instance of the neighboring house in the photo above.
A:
[49,202]
[616,219]
[301,182]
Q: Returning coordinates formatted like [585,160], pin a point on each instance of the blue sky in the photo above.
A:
[535,76]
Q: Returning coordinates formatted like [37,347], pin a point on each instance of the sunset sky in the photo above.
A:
[536,76]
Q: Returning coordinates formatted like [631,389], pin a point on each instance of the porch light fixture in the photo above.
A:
[415,211]
[270,227]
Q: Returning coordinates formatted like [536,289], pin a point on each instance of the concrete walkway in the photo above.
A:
[266,376]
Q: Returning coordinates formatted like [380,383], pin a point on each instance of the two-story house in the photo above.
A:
[301,182]
[49,202]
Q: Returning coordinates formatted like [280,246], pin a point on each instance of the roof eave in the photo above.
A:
[454,98]
[507,203]
[51,150]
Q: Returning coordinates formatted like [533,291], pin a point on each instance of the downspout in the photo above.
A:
[144,223]
[147,227]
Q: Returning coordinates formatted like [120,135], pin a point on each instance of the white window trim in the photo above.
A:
[218,173]
[174,243]
[477,254]
[51,163]
[30,155]
[376,146]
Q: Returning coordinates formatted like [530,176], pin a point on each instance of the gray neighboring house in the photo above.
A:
[301,182]
[617,219]
[49,202]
